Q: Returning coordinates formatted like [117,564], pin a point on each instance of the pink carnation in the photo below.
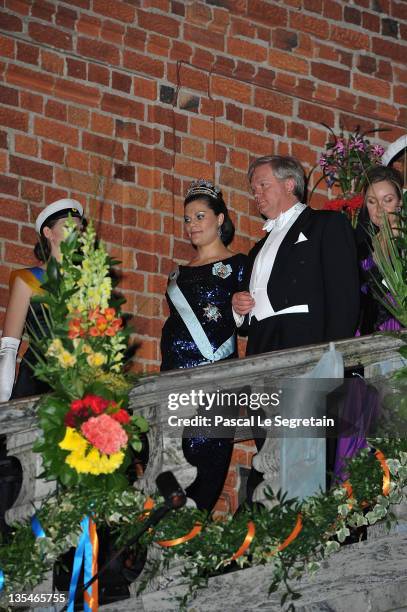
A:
[106,434]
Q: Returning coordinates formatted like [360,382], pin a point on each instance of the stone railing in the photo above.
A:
[376,354]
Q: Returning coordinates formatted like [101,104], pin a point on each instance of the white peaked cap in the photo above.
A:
[66,204]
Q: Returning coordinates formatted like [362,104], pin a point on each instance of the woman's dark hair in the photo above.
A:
[384,173]
[365,227]
[217,204]
[42,249]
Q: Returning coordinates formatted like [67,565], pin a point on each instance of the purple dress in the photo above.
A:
[374,316]
[362,402]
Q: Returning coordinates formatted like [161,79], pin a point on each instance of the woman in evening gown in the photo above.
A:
[200,328]
[383,196]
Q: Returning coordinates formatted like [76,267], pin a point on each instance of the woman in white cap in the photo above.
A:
[23,285]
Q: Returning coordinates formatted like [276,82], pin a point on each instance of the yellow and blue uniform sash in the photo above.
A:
[33,277]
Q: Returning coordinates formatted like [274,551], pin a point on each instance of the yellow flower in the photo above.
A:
[73,441]
[87,349]
[66,359]
[54,348]
[95,360]
[94,462]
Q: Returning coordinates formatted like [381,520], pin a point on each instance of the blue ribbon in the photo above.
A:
[195,328]
[1,580]
[82,555]
[37,527]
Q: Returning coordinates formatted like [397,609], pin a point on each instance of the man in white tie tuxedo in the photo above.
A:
[302,282]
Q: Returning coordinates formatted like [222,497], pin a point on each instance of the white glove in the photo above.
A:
[8,356]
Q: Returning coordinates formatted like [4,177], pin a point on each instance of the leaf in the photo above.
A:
[342,534]
[53,272]
[137,445]
[140,422]
[403,351]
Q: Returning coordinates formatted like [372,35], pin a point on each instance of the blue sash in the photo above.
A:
[38,272]
[195,328]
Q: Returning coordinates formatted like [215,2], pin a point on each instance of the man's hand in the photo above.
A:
[242,302]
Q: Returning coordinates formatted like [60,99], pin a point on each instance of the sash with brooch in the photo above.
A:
[193,325]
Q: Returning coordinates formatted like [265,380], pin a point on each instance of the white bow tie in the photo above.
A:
[283,217]
[270,223]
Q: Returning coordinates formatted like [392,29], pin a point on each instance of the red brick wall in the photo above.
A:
[121,103]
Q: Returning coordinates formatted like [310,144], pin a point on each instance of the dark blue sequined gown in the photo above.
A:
[209,295]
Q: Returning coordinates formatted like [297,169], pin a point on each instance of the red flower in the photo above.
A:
[121,416]
[96,403]
[353,203]
[334,204]
[76,405]
[356,202]
[69,419]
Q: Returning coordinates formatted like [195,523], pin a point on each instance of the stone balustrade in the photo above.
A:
[377,355]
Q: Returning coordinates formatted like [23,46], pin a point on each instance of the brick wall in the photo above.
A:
[121,103]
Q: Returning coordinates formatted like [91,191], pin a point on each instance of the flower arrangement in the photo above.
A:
[347,159]
[344,164]
[87,432]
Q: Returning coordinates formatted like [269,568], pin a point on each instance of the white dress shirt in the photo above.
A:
[263,265]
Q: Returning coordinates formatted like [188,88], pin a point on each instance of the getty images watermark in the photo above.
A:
[216,403]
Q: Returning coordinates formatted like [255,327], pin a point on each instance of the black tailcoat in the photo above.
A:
[320,271]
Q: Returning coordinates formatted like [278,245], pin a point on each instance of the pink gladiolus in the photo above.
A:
[106,434]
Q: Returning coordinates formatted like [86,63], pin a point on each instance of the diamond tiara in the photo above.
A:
[202,186]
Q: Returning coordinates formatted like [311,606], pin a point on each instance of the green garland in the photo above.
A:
[327,519]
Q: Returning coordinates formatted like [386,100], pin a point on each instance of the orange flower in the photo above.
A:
[113,327]
[94,332]
[101,324]
[93,313]
[75,329]
[109,313]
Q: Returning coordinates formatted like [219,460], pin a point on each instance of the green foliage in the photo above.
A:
[327,517]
